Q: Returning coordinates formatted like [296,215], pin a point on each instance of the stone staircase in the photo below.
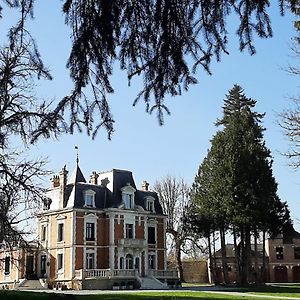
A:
[31,285]
[151,283]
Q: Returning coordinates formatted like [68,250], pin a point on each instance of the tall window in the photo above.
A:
[60,233]
[90,231]
[43,264]
[121,262]
[152,261]
[150,205]
[279,253]
[60,261]
[44,231]
[129,231]
[128,201]
[7,265]
[129,261]
[90,260]
[151,235]
[297,252]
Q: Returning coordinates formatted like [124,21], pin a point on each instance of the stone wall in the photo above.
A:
[195,271]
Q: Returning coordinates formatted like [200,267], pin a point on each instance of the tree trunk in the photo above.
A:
[215,259]
[224,258]
[237,258]
[178,260]
[263,269]
[248,254]
[255,257]
[243,258]
[211,261]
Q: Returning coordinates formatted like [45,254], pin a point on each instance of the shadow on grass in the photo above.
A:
[266,289]
[15,295]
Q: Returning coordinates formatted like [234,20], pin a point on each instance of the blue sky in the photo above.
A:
[139,144]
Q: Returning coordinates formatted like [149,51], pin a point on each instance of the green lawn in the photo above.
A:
[13,295]
[277,291]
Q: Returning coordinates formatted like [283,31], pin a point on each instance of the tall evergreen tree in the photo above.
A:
[239,183]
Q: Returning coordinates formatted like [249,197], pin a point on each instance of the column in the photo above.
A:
[111,242]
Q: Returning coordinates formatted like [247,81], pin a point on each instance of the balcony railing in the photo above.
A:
[164,273]
[133,243]
[104,273]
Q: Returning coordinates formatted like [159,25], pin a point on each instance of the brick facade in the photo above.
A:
[96,227]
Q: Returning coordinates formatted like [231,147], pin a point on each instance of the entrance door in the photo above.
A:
[296,274]
[137,264]
[43,265]
[29,266]
[281,274]
[143,264]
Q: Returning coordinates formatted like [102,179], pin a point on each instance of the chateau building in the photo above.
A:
[100,234]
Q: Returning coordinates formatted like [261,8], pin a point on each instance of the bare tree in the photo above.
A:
[290,118]
[20,196]
[173,196]
[21,115]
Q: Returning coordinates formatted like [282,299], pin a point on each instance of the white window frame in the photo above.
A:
[60,272]
[60,264]
[90,232]
[150,204]
[153,259]
[152,223]
[44,231]
[9,260]
[129,260]
[89,194]
[133,231]
[155,233]
[63,231]
[128,196]
[89,252]
[90,218]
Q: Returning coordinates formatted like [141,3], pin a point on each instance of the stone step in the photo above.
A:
[31,285]
[149,283]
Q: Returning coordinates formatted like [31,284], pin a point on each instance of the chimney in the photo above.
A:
[104,182]
[63,176]
[55,181]
[94,178]
[145,186]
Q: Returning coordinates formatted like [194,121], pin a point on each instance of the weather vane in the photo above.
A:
[77,156]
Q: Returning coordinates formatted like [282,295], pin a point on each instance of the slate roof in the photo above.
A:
[104,198]
[76,176]
[230,251]
[289,233]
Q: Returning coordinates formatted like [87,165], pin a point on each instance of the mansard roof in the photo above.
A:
[104,197]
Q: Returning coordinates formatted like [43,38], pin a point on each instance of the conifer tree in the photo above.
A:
[239,184]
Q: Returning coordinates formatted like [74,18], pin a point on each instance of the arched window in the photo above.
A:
[121,262]
[129,261]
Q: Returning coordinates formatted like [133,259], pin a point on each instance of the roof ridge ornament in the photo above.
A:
[77,155]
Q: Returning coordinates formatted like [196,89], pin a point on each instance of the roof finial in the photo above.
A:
[77,156]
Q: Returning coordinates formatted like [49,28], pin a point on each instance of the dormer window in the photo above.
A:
[128,201]
[128,196]
[89,199]
[150,204]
